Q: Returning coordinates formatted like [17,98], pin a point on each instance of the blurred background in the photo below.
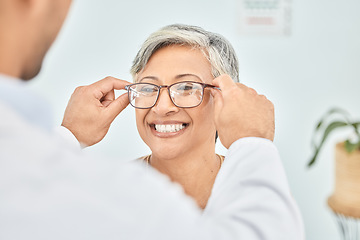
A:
[313,65]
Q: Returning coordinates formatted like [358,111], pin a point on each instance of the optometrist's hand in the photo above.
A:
[241,112]
[92,109]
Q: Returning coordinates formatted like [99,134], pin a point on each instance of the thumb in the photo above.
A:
[116,106]
[225,82]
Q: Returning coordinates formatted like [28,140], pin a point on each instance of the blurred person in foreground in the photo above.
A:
[50,190]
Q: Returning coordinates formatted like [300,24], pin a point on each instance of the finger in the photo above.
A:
[106,85]
[116,106]
[252,91]
[108,98]
[216,93]
[218,100]
[242,86]
[224,82]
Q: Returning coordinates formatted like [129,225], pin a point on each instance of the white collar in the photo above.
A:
[31,106]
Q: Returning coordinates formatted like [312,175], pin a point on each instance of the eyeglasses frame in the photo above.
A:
[204,85]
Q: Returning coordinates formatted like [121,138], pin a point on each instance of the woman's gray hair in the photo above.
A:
[215,47]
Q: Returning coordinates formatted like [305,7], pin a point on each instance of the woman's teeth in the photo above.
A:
[169,127]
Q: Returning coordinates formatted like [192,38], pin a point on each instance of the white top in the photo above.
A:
[49,189]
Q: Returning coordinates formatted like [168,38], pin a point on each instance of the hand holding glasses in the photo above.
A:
[185,94]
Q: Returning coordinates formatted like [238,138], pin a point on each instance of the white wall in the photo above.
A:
[305,74]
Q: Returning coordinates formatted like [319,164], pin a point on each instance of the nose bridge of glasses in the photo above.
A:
[167,95]
[163,86]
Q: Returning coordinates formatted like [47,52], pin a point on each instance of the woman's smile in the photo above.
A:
[168,129]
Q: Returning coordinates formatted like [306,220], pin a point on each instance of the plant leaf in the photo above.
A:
[332,126]
[356,125]
[313,159]
[344,113]
[350,147]
[327,114]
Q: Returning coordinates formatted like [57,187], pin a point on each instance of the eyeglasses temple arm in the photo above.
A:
[212,86]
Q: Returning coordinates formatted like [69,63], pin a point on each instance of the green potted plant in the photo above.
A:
[345,199]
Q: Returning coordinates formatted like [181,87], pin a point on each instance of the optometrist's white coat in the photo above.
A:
[49,189]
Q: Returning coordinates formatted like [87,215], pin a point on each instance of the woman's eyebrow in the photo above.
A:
[188,75]
[177,77]
[149,77]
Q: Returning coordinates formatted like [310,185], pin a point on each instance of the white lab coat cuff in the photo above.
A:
[66,135]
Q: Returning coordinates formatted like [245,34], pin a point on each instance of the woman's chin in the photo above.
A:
[168,154]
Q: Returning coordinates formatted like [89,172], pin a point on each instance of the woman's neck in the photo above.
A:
[195,171]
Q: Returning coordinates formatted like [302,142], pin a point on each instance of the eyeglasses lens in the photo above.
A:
[143,95]
[186,94]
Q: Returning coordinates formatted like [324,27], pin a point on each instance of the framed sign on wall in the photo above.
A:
[265,17]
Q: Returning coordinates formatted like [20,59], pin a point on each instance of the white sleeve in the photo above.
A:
[66,135]
[251,198]
[50,190]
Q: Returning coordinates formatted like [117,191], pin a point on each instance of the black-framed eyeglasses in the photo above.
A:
[185,94]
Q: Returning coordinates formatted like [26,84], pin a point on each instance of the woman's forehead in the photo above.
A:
[176,62]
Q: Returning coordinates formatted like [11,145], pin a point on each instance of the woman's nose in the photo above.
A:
[164,105]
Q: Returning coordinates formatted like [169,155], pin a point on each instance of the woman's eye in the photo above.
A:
[185,87]
[147,89]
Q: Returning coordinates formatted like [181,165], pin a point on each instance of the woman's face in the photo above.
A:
[193,129]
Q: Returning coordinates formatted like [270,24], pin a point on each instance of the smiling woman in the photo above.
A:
[178,124]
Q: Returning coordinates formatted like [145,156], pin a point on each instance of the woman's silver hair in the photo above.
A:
[215,47]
